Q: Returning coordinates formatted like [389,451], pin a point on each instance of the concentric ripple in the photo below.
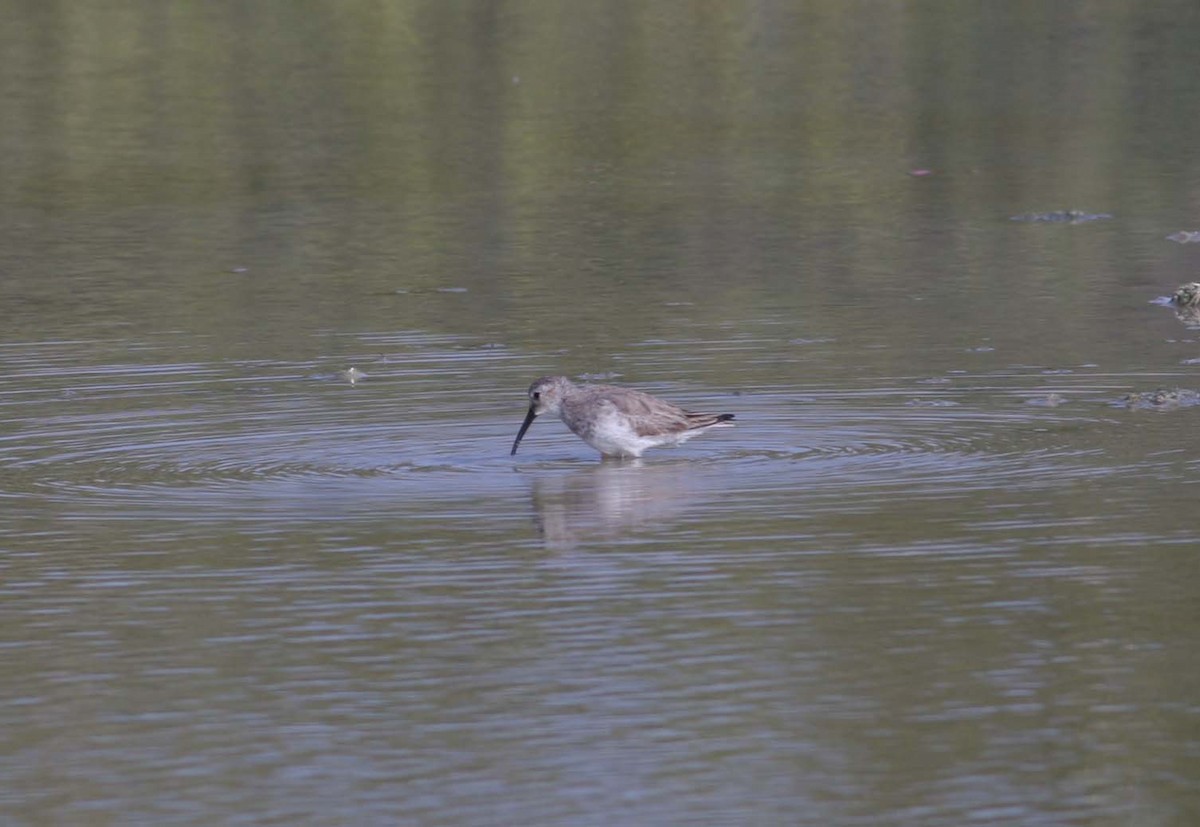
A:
[120,432]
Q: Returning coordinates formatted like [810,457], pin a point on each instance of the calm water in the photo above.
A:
[939,575]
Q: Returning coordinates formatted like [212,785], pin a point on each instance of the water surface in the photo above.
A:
[940,573]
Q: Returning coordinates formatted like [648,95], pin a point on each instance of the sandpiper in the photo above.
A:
[617,422]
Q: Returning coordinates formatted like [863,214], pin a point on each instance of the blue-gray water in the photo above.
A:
[940,574]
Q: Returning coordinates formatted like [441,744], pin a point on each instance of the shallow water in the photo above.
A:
[940,572]
[235,587]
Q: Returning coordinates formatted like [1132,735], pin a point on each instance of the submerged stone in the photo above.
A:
[1185,237]
[1050,400]
[1062,217]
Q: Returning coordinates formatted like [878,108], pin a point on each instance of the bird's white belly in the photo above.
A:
[611,433]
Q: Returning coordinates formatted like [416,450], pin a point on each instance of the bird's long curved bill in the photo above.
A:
[529,417]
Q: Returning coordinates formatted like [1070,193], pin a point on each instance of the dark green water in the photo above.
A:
[939,574]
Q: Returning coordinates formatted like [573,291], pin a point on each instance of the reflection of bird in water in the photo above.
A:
[617,422]
[608,500]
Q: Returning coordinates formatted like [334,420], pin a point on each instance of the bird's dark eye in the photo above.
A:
[537,395]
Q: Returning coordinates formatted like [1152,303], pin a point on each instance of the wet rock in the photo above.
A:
[1187,295]
[1161,399]
[1185,301]
[1189,316]
[1062,217]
